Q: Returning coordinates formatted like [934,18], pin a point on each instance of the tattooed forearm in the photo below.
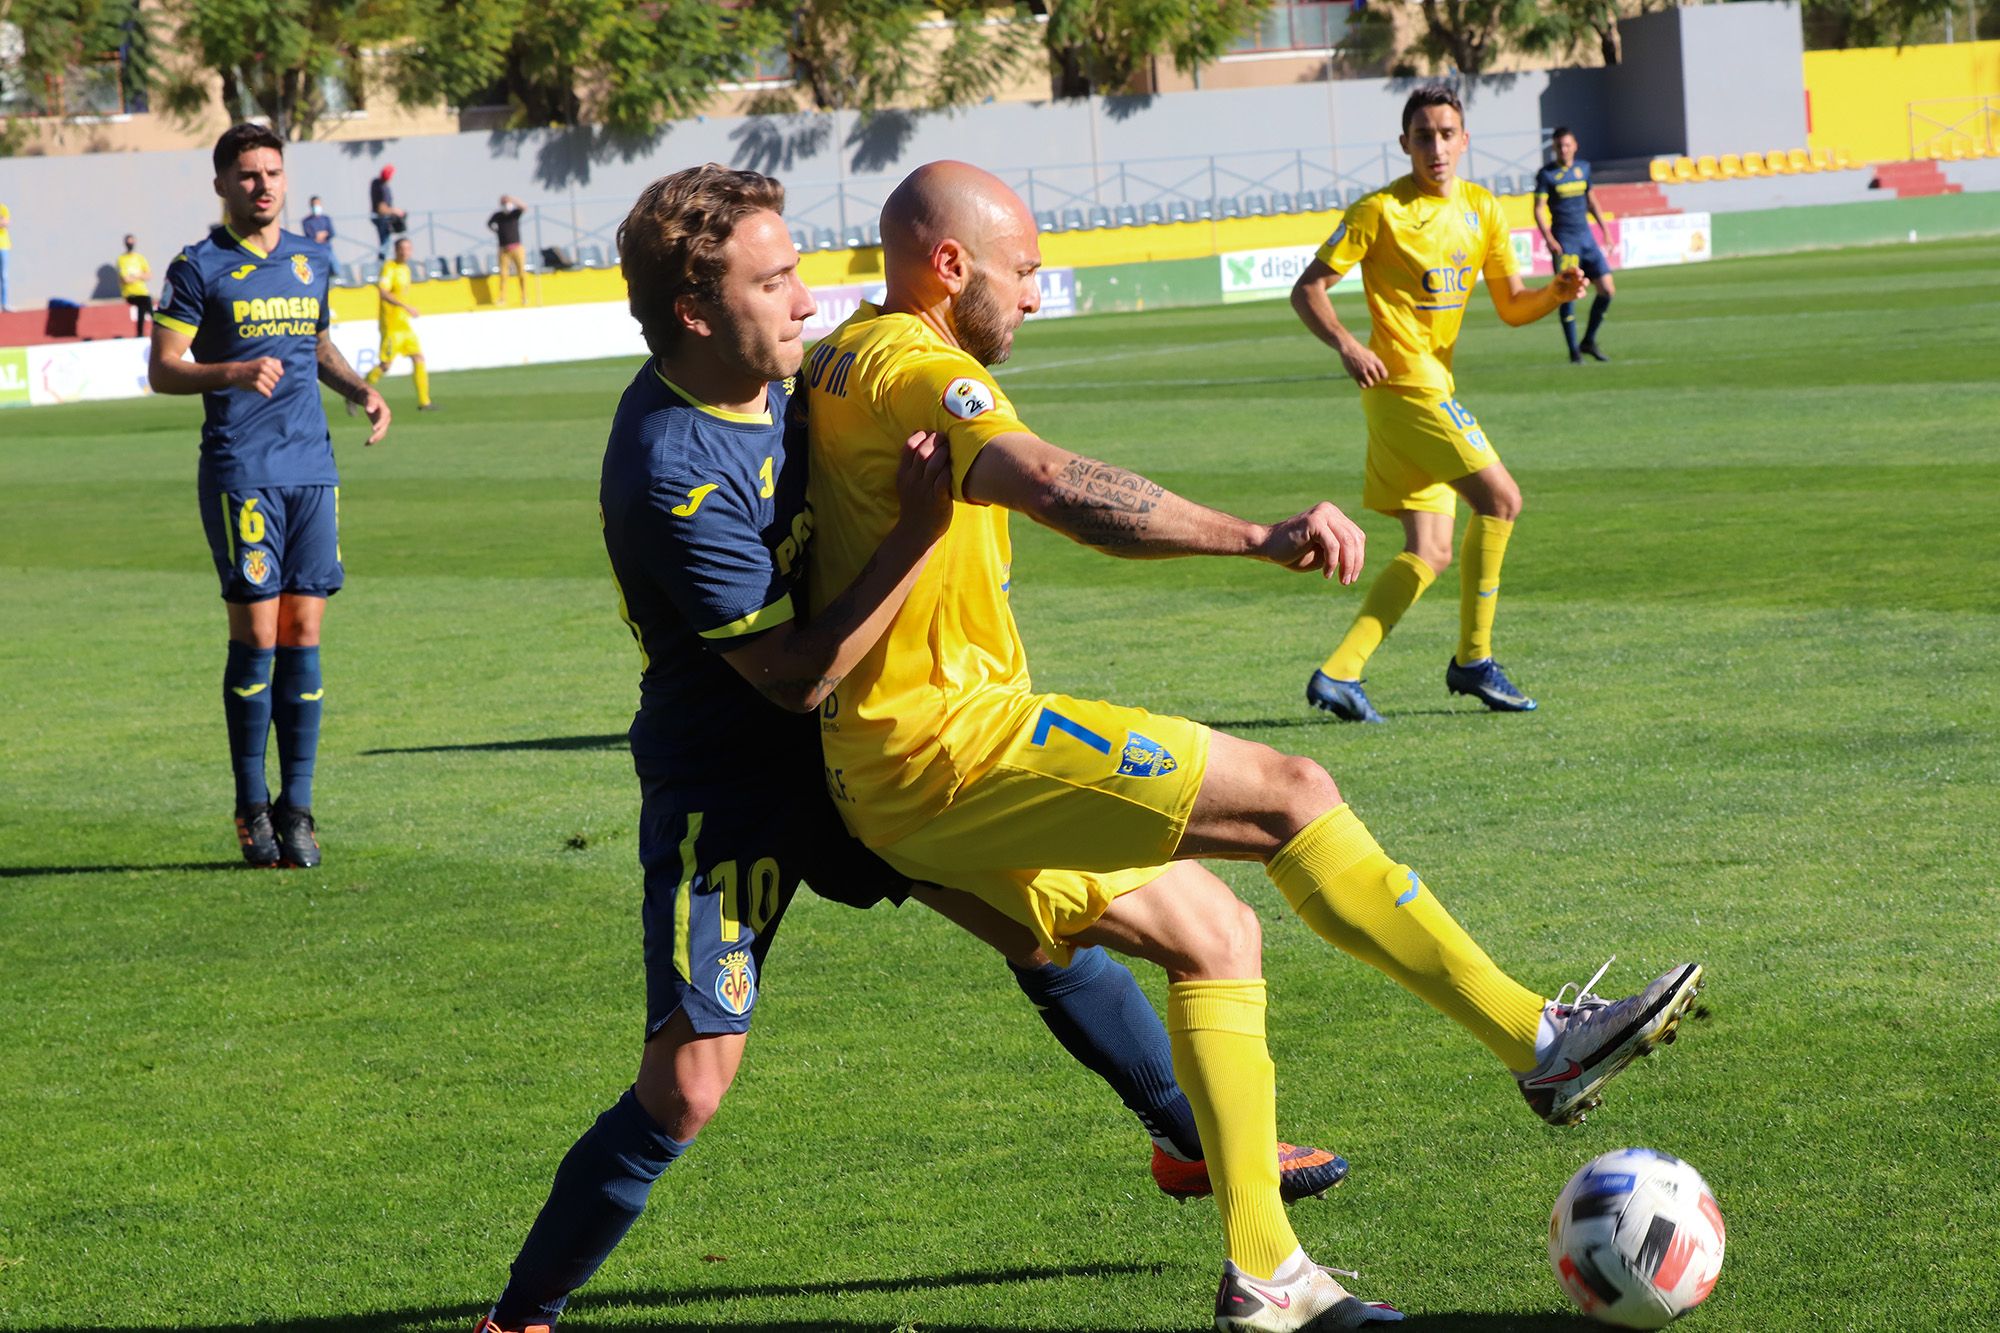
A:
[336,374]
[1101,505]
[798,691]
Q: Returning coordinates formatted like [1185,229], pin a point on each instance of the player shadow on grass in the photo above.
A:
[612,741]
[1318,719]
[29,872]
[664,1306]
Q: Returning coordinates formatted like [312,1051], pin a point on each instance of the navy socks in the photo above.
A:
[246,706]
[1568,309]
[599,1191]
[1598,305]
[1099,1014]
[296,690]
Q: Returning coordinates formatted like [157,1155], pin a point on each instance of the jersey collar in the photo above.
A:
[721,414]
[247,245]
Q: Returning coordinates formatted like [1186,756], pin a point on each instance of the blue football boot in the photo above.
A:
[1345,699]
[1486,682]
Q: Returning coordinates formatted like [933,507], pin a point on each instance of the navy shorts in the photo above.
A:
[1588,257]
[283,539]
[718,881]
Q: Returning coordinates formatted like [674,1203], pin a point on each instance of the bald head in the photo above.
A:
[959,246]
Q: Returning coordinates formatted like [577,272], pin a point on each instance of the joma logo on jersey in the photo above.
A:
[276,307]
[735,984]
[242,271]
[794,546]
[1438,281]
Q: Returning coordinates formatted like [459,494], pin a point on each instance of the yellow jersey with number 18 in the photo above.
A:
[931,701]
[1420,256]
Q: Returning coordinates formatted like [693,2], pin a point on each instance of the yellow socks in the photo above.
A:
[1216,1030]
[1394,591]
[1479,556]
[423,378]
[1344,886]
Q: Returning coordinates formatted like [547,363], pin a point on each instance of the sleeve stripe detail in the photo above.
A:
[777,613]
[177,325]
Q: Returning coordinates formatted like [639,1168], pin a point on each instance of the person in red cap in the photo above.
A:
[389,219]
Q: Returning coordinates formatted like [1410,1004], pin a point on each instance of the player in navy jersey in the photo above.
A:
[1564,220]
[706,525]
[249,303]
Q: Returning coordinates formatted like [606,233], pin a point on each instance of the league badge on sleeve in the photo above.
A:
[966,398]
[302,269]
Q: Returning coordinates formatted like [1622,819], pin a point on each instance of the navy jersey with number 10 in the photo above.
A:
[238,303]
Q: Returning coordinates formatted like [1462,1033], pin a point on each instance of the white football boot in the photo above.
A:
[1300,1295]
[1593,1038]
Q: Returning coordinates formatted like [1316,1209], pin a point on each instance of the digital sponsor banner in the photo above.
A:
[1648,241]
[13,377]
[1262,275]
[1667,238]
[85,371]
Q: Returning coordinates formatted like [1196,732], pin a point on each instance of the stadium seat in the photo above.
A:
[591,256]
[1228,207]
[1256,206]
[1661,170]
[1152,214]
[1822,159]
[1072,219]
[1124,216]
[1180,211]
[1801,161]
[1204,209]
[1955,151]
[1707,168]
[371,272]
[1841,161]
[1284,202]
[1777,164]
[350,275]
[1753,164]
[1683,170]
[437,268]
[825,238]
[802,240]
[1100,217]
[1731,166]
[1045,218]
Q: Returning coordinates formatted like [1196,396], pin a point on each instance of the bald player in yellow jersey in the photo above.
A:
[1421,244]
[1078,818]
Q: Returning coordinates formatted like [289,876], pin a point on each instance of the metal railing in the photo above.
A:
[1942,121]
[841,213]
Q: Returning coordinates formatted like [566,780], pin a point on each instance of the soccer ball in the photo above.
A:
[1636,1238]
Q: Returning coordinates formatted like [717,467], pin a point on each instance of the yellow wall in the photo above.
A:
[1860,99]
[830,268]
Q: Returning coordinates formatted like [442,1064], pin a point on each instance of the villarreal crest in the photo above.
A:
[302,269]
[256,567]
[735,983]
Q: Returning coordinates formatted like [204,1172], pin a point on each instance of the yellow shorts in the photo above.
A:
[1419,441]
[1083,801]
[402,343]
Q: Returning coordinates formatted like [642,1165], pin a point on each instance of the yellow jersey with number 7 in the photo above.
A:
[1420,257]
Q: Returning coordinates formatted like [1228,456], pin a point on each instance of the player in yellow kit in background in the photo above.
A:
[1421,243]
[1082,819]
[399,337]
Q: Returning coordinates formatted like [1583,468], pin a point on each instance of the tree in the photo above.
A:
[1839,24]
[868,54]
[288,62]
[1102,45]
[51,42]
[1470,33]
[565,62]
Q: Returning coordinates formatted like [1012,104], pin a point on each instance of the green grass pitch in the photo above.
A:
[1754,588]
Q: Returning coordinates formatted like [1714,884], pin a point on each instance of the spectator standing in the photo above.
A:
[506,225]
[318,227]
[389,219]
[133,272]
[6,249]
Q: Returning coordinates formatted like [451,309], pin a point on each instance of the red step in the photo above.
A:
[25,328]
[1913,180]
[1633,200]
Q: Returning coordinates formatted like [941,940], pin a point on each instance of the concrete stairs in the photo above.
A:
[1913,180]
